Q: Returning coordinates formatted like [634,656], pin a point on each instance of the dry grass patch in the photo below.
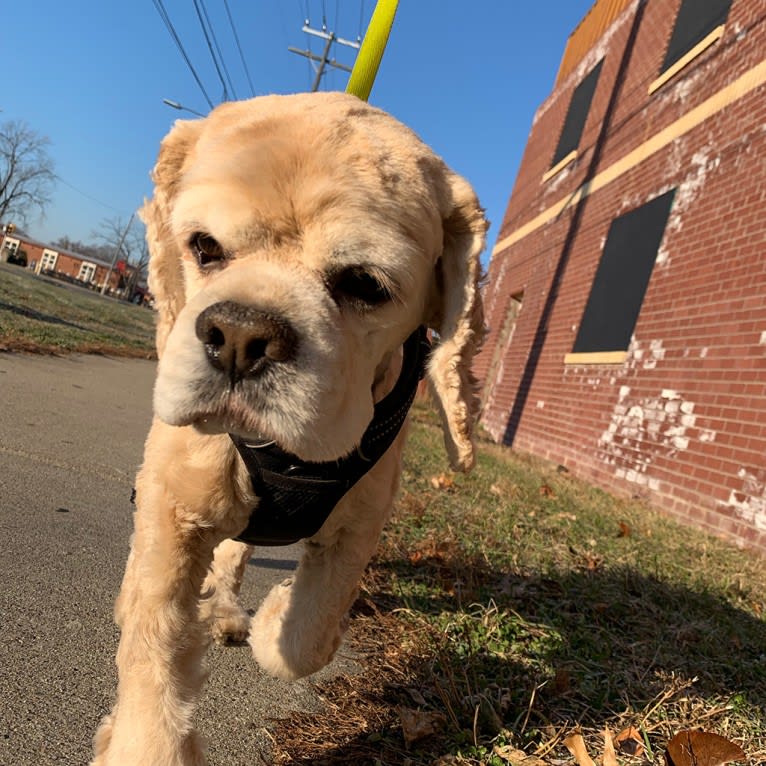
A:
[512,607]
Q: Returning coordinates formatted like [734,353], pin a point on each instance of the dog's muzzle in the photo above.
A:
[242,341]
[295,496]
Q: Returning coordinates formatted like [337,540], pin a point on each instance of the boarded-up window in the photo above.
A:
[577,114]
[695,21]
[622,277]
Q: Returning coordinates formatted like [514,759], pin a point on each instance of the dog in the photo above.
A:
[298,243]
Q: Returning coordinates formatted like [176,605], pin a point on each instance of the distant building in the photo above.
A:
[58,262]
[627,288]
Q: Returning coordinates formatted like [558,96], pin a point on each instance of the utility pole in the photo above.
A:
[324,60]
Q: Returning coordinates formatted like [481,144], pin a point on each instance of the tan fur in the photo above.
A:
[295,188]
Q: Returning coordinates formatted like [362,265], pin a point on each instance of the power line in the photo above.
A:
[169,25]
[209,32]
[225,95]
[239,47]
[87,196]
[218,48]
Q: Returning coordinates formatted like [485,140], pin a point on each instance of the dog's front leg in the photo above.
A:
[301,623]
[162,643]
[220,609]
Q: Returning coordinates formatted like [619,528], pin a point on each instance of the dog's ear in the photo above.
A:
[457,316]
[166,278]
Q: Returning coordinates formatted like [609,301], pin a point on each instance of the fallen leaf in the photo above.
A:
[517,757]
[546,491]
[629,742]
[442,481]
[701,748]
[592,562]
[418,725]
[609,759]
[576,745]
[625,530]
[589,560]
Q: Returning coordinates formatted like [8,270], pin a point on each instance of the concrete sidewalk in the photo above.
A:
[71,438]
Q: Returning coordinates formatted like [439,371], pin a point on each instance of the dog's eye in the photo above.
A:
[355,285]
[206,249]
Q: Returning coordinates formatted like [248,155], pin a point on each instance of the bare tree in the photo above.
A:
[111,235]
[26,171]
[130,240]
[100,252]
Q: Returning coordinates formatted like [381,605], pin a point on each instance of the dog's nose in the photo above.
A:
[241,341]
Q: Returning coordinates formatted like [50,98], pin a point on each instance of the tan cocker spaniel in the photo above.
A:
[300,245]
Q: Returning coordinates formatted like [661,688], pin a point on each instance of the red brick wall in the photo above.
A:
[69,265]
[682,421]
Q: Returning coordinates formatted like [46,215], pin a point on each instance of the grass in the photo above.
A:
[505,609]
[513,606]
[44,316]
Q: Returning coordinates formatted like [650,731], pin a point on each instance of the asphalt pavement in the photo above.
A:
[71,437]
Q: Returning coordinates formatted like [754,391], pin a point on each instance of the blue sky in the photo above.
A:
[467,76]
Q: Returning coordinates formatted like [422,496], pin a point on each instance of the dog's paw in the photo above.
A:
[231,627]
[227,621]
[291,643]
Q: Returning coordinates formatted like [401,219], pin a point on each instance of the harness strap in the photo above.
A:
[295,496]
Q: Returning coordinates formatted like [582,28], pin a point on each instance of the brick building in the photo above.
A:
[627,290]
[58,262]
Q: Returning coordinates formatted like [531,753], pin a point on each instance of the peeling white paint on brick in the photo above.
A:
[644,428]
[656,354]
[740,32]
[540,404]
[749,503]
[687,191]
[762,341]
[690,187]
[641,356]
[703,352]
[553,183]
[663,256]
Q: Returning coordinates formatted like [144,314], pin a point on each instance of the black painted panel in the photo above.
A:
[577,114]
[622,277]
[696,20]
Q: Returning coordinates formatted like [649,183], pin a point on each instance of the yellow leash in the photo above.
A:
[371,52]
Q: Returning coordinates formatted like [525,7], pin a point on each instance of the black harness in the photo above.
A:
[296,497]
